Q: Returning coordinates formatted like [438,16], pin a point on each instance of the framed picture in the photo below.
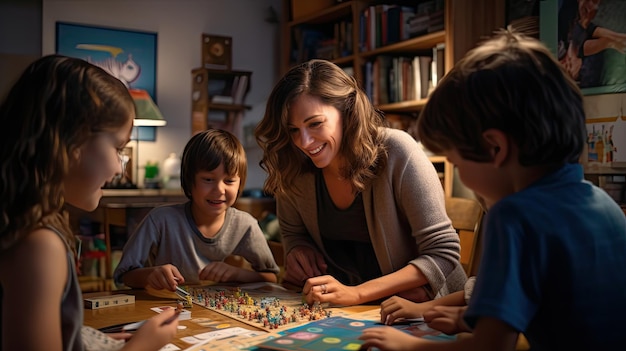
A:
[589,39]
[606,133]
[126,54]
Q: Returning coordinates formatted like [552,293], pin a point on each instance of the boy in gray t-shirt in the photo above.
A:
[187,243]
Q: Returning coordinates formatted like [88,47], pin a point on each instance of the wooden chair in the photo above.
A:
[466,216]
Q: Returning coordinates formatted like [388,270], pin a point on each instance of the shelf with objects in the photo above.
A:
[396,50]
[218,92]
[218,98]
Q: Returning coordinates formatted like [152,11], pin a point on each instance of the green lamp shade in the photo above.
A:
[148,113]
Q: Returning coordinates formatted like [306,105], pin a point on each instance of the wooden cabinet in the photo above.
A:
[218,99]
[346,28]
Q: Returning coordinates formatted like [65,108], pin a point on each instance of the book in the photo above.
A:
[240,90]
[438,64]
[422,76]
[222,99]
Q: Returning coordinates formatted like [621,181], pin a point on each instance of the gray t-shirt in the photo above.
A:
[169,235]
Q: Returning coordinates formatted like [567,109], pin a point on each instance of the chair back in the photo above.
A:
[466,216]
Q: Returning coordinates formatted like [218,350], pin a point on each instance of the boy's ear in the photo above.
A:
[498,144]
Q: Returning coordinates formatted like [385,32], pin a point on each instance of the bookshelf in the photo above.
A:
[340,24]
[454,27]
[218,99]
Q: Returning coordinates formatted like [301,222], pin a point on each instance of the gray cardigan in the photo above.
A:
[405,212]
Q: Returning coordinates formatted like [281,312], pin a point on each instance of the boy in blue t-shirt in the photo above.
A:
[554,244]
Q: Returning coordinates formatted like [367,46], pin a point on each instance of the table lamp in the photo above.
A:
[147,116]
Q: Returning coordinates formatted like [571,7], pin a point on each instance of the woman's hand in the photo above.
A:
[396,307]
[219,272]
[328,289]
[302,263]
[448,319]
[155,332]
[166,276]
[388,338]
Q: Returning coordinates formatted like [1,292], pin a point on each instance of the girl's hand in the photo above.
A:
[220,272]
[448,319]
[396,307]
[120,336]
[166,276]
[328,289]
[388,338]
[155,332]
[302,263]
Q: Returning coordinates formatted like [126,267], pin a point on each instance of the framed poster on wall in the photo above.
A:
[606,133]
[589,39]
[128,55]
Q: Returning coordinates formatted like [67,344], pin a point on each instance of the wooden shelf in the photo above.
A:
[465,24]
[413,45]
[330,14]
[229,84]
[228,107]
[403,106]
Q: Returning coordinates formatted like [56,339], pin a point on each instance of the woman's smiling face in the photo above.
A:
[316,129]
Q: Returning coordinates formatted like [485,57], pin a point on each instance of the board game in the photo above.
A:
[338,333]
[267,306]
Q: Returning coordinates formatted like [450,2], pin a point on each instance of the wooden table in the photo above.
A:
[109,316]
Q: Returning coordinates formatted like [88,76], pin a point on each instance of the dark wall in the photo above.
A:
[20,38]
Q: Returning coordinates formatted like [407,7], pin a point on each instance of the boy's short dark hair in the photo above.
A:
[512,83]
[206,150]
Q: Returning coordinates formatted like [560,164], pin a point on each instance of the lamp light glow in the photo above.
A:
[148,113]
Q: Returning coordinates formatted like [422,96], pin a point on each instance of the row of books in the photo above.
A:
[229,91]
[382,24]
[391,79]
[329,43]
[428,18]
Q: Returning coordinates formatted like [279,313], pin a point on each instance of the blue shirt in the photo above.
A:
[554,265]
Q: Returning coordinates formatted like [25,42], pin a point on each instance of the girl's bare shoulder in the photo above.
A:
[39,253]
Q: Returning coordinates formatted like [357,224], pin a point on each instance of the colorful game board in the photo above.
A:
[266,306]
[338,333]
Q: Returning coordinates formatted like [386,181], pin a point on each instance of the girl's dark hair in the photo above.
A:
[206,150]
[56,106]
[363,135]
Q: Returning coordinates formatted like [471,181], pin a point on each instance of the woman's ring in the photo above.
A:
[323,286]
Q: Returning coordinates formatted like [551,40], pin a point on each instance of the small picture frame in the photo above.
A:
[217,52]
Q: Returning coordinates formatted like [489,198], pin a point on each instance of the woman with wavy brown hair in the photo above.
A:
[360,206]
